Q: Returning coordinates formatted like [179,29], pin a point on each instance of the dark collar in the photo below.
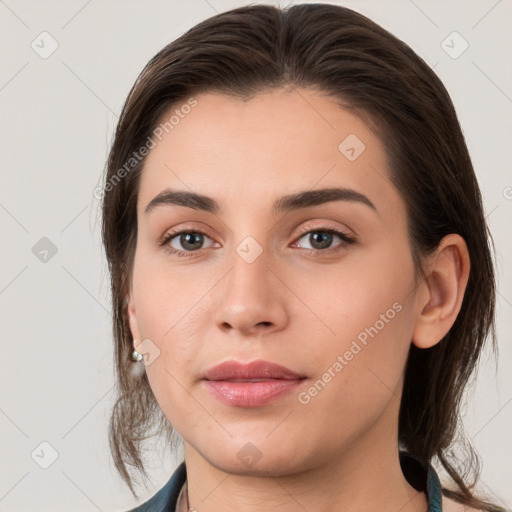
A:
[422,476]
[165,499]
[419,473]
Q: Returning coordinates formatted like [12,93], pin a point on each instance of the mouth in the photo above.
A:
[245,380]
[254,371]
[252,384]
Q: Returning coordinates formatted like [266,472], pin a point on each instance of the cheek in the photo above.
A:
[357,372]
[370,296]
[167,299]
[366,321]
[171,310]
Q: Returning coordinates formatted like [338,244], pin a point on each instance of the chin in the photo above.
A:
[268,467]
[260,456]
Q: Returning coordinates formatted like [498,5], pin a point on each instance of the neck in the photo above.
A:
[365,477]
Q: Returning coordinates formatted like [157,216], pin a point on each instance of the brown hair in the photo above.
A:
[335,50]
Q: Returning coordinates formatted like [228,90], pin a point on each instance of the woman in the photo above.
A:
[301,272]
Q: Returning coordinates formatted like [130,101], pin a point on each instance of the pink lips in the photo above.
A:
[250,384]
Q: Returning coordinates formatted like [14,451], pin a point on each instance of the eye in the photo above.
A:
[183,243]
[321,239]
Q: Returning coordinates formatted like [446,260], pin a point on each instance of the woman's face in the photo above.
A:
[267,280]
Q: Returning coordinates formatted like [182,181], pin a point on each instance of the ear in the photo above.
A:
[132,317]
[440,294]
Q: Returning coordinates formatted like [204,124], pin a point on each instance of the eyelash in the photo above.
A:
[347,239]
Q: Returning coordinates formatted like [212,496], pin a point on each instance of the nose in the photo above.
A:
[251,300]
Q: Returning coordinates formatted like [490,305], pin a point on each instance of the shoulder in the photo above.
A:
[450,505]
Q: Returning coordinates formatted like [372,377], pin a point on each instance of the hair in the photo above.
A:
[362,67]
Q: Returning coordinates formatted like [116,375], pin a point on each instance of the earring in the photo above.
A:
[137,370]
[136,356]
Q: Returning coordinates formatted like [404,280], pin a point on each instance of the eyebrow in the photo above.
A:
[287,203]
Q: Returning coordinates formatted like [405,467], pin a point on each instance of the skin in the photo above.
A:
[300,310]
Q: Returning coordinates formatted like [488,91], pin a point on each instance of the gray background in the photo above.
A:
[57,118]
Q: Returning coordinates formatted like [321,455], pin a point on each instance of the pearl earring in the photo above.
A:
[136,356]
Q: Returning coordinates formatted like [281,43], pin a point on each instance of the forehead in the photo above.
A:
[278,141]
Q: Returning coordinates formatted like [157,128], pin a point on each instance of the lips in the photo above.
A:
[256,370]
[250,384]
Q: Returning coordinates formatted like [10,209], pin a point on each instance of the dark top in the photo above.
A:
[420,475]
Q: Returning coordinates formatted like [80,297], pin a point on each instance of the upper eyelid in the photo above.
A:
[307,229]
